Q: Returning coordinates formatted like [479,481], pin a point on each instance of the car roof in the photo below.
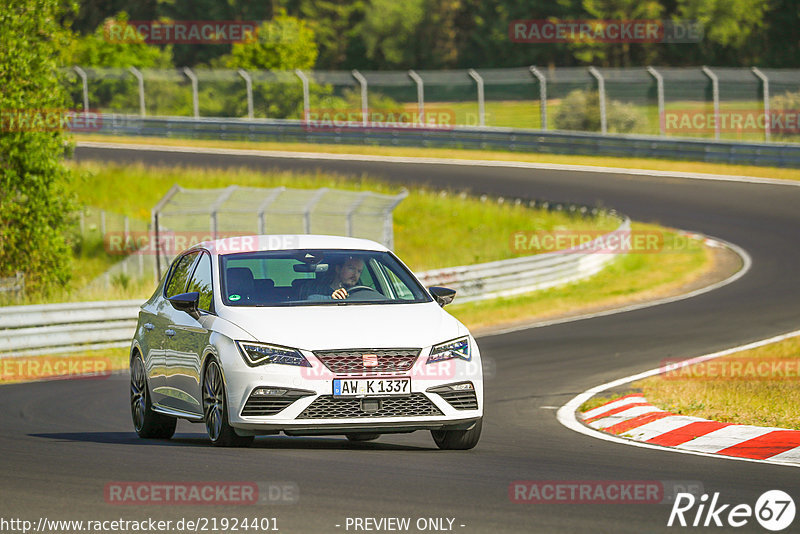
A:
[257,243]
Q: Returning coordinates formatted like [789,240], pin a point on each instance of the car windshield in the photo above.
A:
[317,277]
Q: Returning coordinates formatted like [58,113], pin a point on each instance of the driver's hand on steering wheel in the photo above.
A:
[339,294]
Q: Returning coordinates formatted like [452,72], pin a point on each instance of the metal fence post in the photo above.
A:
[542,95]
[388,228]
[310,206]
[767,118]
[660,95]
[420,94]
[195,100]
[225,195]
[248,81]
[715,96]
[481,103]
[154,216]
[262,208]
[85,83]
[364,97]
[140,80]
[306,96]
[348,223]
[601,93]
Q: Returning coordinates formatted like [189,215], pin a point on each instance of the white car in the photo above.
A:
[305,335]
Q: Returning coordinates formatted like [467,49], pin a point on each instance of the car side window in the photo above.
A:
[201,282]
[180,274]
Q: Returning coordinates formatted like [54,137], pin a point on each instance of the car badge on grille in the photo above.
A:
[370,360]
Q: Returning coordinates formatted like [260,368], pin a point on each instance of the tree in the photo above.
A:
[335,24]
[35,203]
[283,43]
[98,50]
[390,30]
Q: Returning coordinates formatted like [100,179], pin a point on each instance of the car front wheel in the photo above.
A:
[458,439]
[215,411]
[146,422]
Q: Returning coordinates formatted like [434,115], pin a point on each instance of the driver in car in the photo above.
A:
[345,275]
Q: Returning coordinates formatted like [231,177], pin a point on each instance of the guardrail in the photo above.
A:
[522,140]
[52,328]
[66,327]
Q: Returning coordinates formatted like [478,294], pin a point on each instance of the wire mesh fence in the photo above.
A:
[185,217]
[697,102]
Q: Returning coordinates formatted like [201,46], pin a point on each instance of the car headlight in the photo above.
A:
[262,354]
[456,348]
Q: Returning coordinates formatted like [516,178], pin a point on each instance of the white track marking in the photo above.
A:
[659,427]
[792,455]
[594,412]
[623,416]
[724,437]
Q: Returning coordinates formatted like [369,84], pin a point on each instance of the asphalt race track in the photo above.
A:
[63,441]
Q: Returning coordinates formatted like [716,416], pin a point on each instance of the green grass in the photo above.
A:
[635,276]
[731,396]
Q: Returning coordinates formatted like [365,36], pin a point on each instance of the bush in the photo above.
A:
[580,111]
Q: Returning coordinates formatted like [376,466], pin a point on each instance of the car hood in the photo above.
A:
[350,326]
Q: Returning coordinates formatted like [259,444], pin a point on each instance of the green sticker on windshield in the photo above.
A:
[234,297]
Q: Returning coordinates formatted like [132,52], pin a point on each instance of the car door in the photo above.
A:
[186,346]
[163,393]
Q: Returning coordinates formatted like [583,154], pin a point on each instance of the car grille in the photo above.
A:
[328,407]
[352,360]
[270,405]
[461,400]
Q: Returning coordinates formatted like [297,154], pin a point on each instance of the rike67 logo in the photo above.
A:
[774,510]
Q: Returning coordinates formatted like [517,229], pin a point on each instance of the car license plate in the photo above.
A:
[361,387]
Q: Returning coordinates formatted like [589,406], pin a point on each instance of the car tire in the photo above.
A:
[147,423]
[362,436]
[215,410]
[458,439]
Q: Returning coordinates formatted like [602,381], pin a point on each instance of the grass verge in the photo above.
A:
[630,278]
[759,387]
[600,161]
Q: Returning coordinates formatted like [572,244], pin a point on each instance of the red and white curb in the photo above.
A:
[632,417]
[631,420]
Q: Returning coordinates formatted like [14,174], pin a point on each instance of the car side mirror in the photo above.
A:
[443,295]
[186,302]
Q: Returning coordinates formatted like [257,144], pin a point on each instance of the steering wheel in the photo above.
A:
[358,288]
